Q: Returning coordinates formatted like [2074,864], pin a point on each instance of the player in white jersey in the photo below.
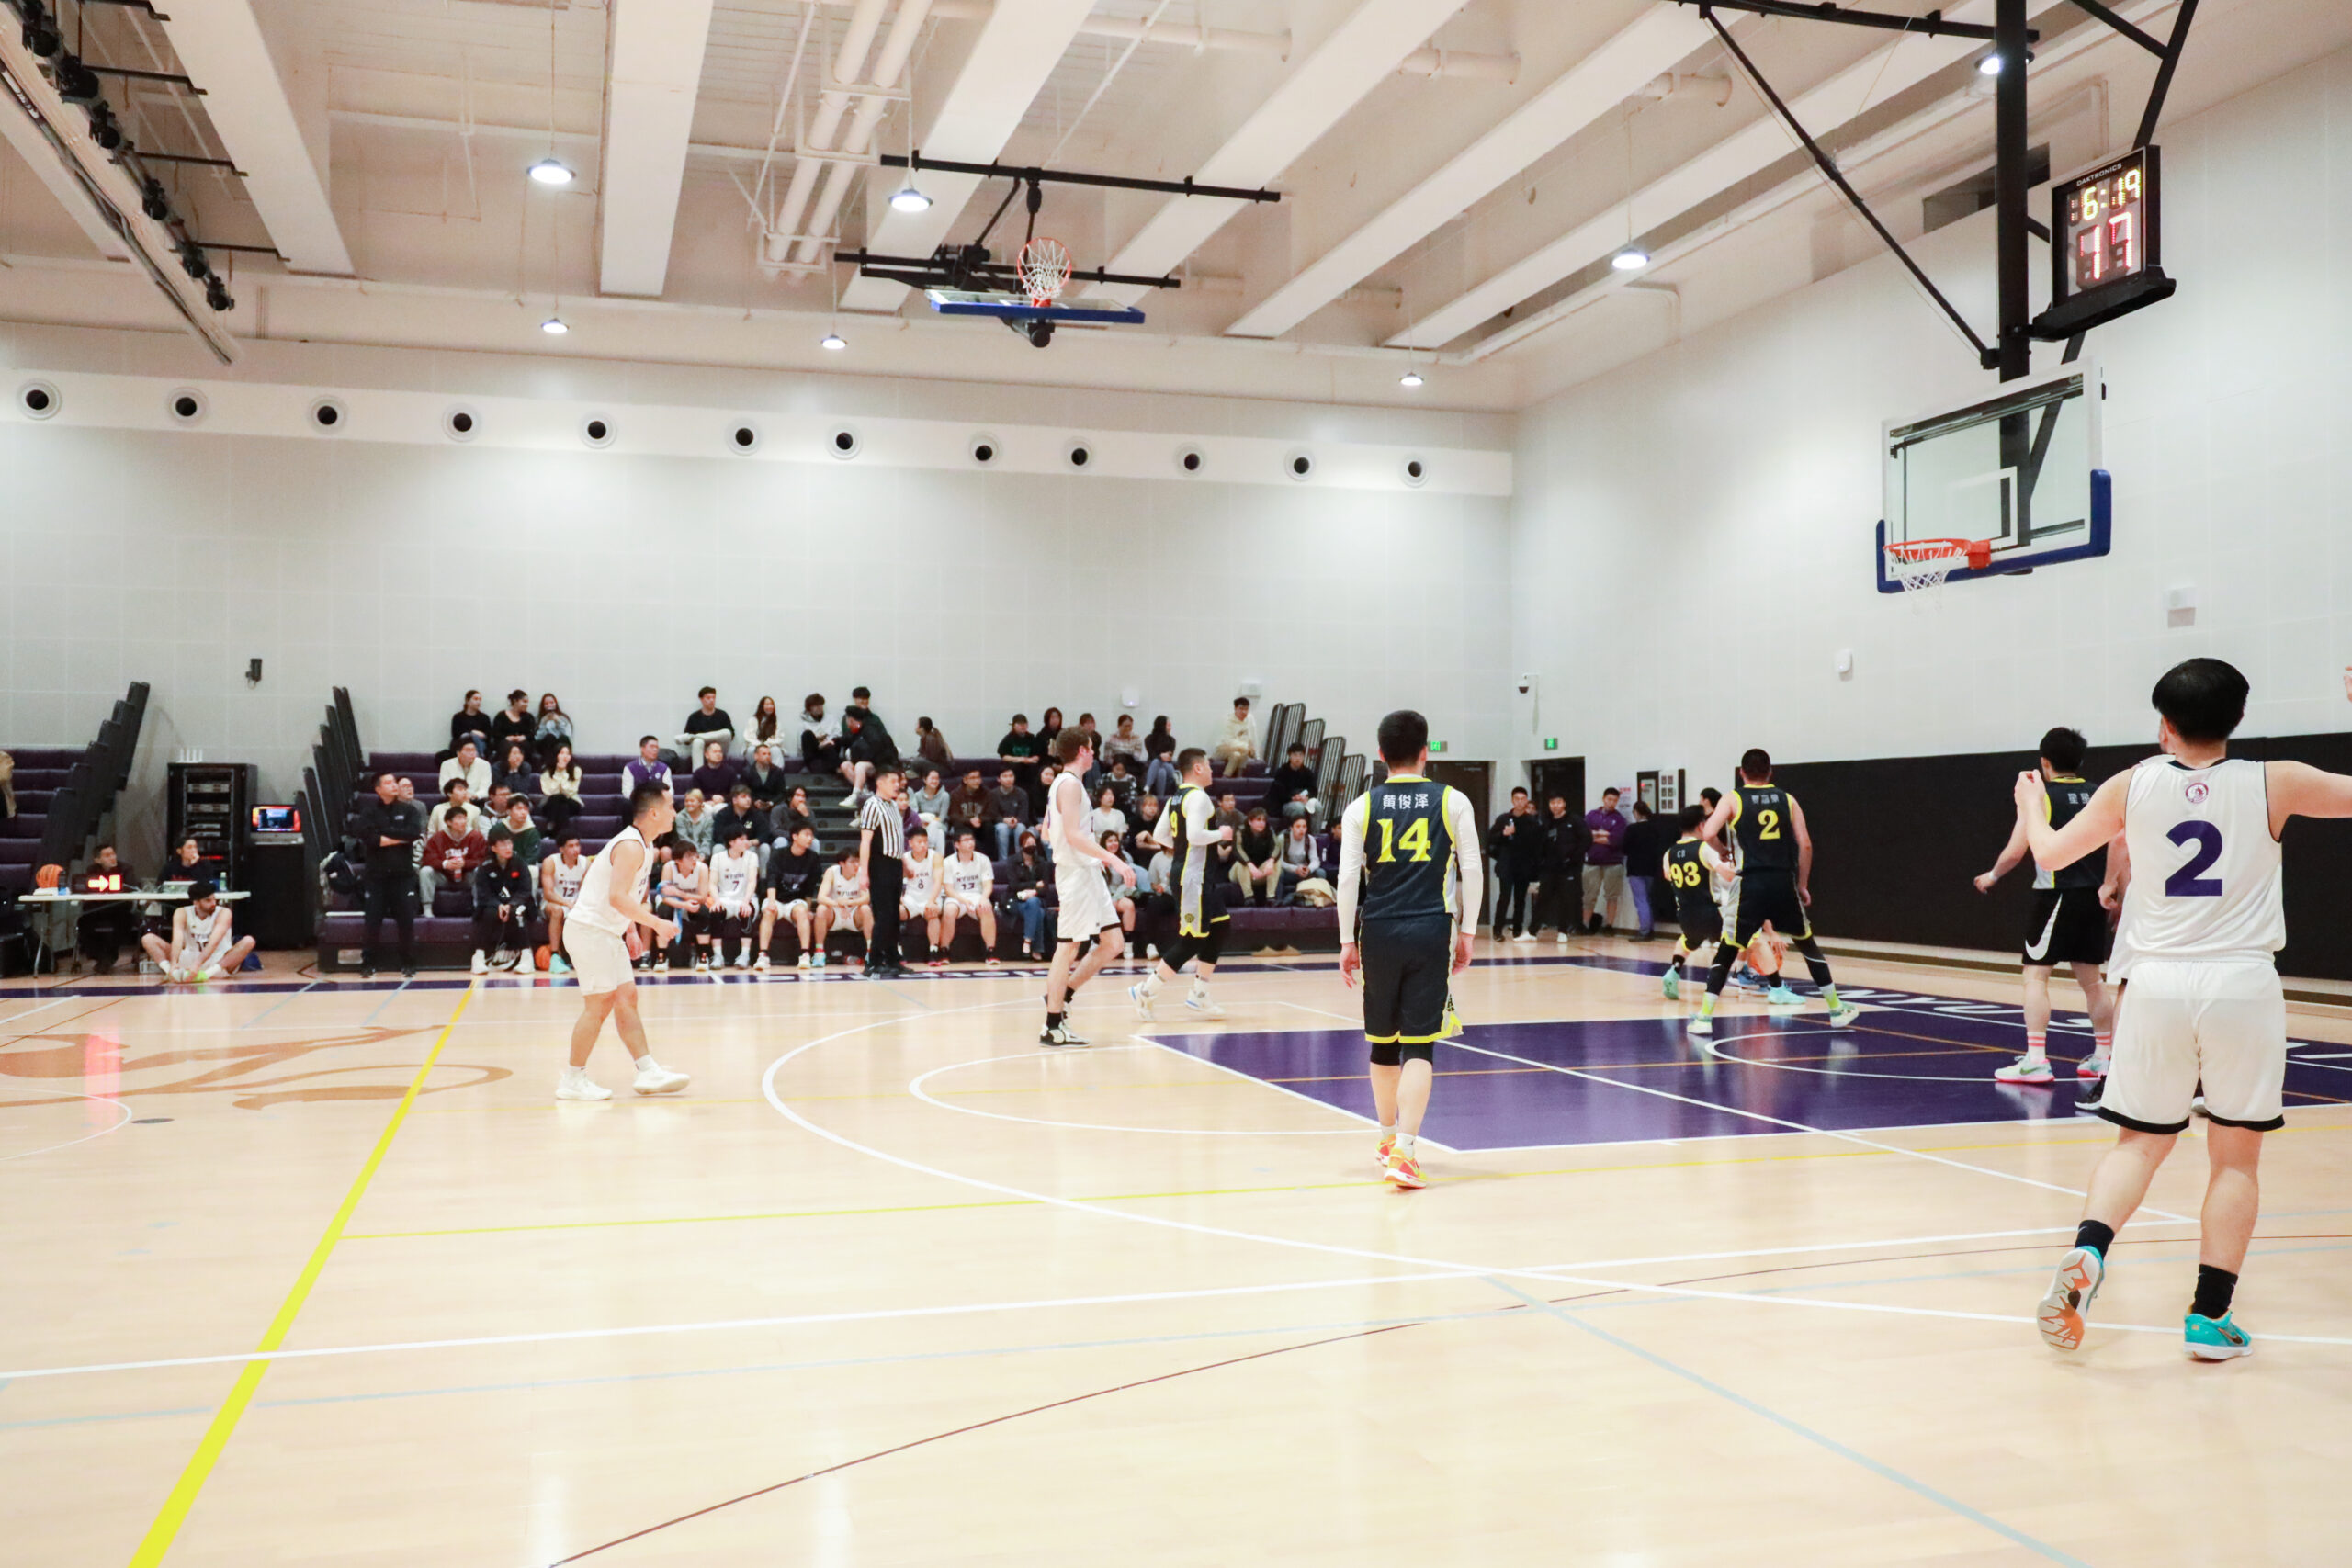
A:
[559,877]
[601,938]
[1086,913]
[204,940]
[2200,998]
[735,894]
[969,886]
[919,894]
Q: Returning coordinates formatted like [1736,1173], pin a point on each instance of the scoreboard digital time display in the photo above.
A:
[2106,244]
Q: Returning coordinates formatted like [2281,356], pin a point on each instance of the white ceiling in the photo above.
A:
[1453,173]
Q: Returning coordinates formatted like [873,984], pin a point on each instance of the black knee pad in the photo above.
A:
[1421,1051]
[1387,1054]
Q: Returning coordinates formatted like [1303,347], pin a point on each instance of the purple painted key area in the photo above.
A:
[1913,1060]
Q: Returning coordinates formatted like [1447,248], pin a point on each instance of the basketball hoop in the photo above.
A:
[1919,564]
[1044,268]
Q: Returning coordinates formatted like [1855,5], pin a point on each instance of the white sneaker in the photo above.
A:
[701,963]
[1701,1025]
[652,1077]
[1524,936]
[2025,1070]
[1204,1005]
[1061,1034]
[743,959]
[482,961]
[760,964]
[806,961]
[1142,999]
[661,965]
[1560,937]
[575,1084]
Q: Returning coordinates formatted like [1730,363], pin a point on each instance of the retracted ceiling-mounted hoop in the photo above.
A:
[1919,564]
[1044,268]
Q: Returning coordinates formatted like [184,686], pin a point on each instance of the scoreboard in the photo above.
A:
[2106,244]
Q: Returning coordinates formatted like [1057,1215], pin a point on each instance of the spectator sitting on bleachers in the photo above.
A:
[1049,724]
[696,823]
[1258,871]
[647,767]
[795,873]
[1159,759]
[467,723]
[1125,743]
[1027,872]
[553,728]
[969,894]
[1008,808]
[707,722]
[468,763]
[1145,830]
[742,815]
[968,807]
[1234,746]
[1087,726]
[1302,859]
[560,875]
[1122,892]
[453,852]
[767,727]
[1293,790]
[516,771]
[766,779]
[457,802]
[512,723]
[842,902]
[1121,783]
[1106,817]
[8,787]
[791,815]
[735,894]
[686,898]
[490,813]
[865,747]
[1161,897]
[502,905]
[1019,751]
[820,750]
[931,746]
[861,708]
[930,802]
[1229,812]
[716,775]
[404,792]
[560,789]
[919,894]
[519,827]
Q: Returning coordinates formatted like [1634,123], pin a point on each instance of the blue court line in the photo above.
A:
[834,1364]
[276,1005]
[389,998]
[1884,1471]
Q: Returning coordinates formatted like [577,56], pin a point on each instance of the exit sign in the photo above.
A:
[1550,743]
[1437,748]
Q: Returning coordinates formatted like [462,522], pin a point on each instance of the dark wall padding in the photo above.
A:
[1896,840]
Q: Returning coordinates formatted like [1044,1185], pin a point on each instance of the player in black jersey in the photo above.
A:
[1198,881]
[2069,921]
[1775,864]
[1396,841]
[1693,870]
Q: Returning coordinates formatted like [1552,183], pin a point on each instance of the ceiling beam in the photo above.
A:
[1360,53]
[251,98]
[1595,84]
[1017,51]
[21,133]
[653,71]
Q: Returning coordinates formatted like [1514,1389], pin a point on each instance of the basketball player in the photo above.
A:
[559,877]
[204,941]
[735,894]
[1775,864]
[2203,918]
[1395,841]
[1193,833]
[970,880]
[600,937]
[1693,870]
[1087,914]
[2069,921]
[919,899]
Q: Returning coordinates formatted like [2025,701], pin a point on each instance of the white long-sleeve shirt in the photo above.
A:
[1469,871]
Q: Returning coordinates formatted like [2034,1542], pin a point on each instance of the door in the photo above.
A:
[1563,776]
[1476,779]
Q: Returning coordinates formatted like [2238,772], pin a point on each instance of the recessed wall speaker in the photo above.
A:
[1077,454]
[1416,472]
[1299,465]
[329,416]
[744,437]
[1191,459]
[986,449]
[186,406]
[461,424]
[40,399]
[845,443]
[597,429]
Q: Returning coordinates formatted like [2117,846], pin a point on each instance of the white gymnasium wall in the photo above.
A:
[1690,536]
[411,567]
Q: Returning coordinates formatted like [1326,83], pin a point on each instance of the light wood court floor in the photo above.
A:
[889,1286]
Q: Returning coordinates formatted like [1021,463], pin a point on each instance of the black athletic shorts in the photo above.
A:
[2067,926]
[1407,987]
[1701,923]
[1771,895]
[1181,950]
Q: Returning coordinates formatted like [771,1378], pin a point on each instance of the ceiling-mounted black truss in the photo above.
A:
[1031,175]
[969,267]
[1932,24]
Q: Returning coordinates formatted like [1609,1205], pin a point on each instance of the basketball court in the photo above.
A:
[320,1262]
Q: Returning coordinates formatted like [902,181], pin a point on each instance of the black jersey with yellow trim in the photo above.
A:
[1763,827]
[1693,884]
[2063,796]
[1407,849]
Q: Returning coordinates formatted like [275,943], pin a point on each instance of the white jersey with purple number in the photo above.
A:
[2205,879]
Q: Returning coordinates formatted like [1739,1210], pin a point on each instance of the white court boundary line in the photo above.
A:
[52,1148]
[914,1087]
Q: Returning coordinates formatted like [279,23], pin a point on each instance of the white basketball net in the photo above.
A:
[1924,563]
[1044,269]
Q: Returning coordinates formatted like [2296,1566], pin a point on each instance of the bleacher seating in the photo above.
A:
[41,772]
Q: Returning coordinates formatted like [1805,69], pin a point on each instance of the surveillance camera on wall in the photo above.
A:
[1526,684]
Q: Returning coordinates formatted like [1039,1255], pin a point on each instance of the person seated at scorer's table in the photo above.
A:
[186,863]
[502,905]
[104,929]
[468,763]
[203,942]
[707,722]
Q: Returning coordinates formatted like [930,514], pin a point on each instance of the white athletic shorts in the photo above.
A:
[966,907]
[2183,1021]
[1086,899]
[599,957]
[911,909]
[787,910]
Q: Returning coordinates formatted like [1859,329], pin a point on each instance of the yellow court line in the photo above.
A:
[159,1535]
[692,1219]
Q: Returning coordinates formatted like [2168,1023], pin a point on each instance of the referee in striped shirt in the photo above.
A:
[882,867]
